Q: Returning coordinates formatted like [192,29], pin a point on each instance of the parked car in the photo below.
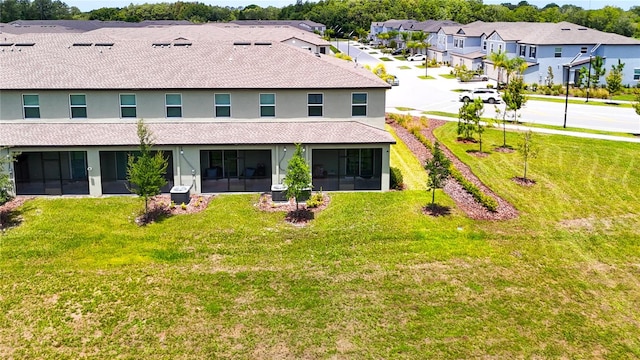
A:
[393,80]
[398,51]
[490,96]
[475,77]
[417,57]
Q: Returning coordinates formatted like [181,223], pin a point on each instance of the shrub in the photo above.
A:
[183,206]
[315,200]
[487,201]
[397,180]
[489,86]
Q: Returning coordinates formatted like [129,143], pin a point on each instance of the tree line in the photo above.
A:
[348,15]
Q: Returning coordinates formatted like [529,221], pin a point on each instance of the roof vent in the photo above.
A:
[245,43]
[262,43]
[182,44]
[104,44]
[82,44]
[565,29]
[583,29]
[161,44]
[25,44]
[6,44]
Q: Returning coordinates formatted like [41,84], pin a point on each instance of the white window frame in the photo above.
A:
[172,106]
[484,45]
[314,105]
[265,105]
[523,50]
[636,74]
[25,106]
[127,106]
[556,53]
[72,106]
[221,105]
[365,105]
[533,51]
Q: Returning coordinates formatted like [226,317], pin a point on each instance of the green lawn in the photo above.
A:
[562,99]
[413,173]
[448,76]
[426,77]
[370,277]
[533,125]
[384,58]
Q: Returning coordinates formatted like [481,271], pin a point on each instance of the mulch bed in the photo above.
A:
[299,217]
[462,198]
[8,217]
[160,207]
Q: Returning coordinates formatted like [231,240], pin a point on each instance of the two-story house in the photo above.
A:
[225,110]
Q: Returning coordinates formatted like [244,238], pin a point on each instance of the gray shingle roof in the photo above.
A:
[134,63]
[193,133]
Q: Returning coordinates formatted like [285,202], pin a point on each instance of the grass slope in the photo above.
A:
[413,173]
[370,277]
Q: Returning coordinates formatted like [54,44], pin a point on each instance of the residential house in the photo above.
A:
[542,46]
[306,25]
[226,104]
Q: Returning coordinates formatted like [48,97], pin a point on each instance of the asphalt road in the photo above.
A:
[439,95]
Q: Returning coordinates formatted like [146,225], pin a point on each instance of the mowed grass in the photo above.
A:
[370,277]
[413,174]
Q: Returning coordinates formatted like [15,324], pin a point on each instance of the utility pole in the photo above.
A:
[589,77]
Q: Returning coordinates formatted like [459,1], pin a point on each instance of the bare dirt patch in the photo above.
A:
[504,149]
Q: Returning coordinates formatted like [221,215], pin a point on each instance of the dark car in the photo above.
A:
[398,51]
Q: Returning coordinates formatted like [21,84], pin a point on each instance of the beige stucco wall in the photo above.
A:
[197,104]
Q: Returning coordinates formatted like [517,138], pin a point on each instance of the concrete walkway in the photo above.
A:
[513,127]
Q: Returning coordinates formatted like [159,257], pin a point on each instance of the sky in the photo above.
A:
[87,5]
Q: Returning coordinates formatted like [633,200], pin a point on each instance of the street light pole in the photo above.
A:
[566,100]
[348,40]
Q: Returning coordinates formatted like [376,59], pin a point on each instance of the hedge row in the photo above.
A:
[487,201]
[407,121]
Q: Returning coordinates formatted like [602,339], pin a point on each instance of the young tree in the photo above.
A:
[614,78]
[146,172]
[6,187]
[597,64]
[528,149]
[549,76]
[636,104]
[438,169]
[298,177]
[469,119]
[514,98]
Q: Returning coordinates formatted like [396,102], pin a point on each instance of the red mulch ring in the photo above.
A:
[8,216]
[463,199]
[522,181]
[300,216]
[160,207]
[502,149]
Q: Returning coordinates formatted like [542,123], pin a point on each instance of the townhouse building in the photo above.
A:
[226,104]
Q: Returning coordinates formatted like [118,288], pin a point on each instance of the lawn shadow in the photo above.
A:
[300,216]
[478,153]
[436,210]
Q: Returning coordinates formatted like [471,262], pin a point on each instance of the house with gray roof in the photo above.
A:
[225,104]
[542,46]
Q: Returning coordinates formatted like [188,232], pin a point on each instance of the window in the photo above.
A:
[636,74]
[491,47]
[558,52]
[127,106]
[267,105]
[314,104]
[583,50]
[532,51]
[523,50]
[358,104]
[499,47]
[78,104]
[173,105]
[484,45]
[222,105]
[31,105]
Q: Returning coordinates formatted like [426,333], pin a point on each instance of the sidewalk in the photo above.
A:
[525,128]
